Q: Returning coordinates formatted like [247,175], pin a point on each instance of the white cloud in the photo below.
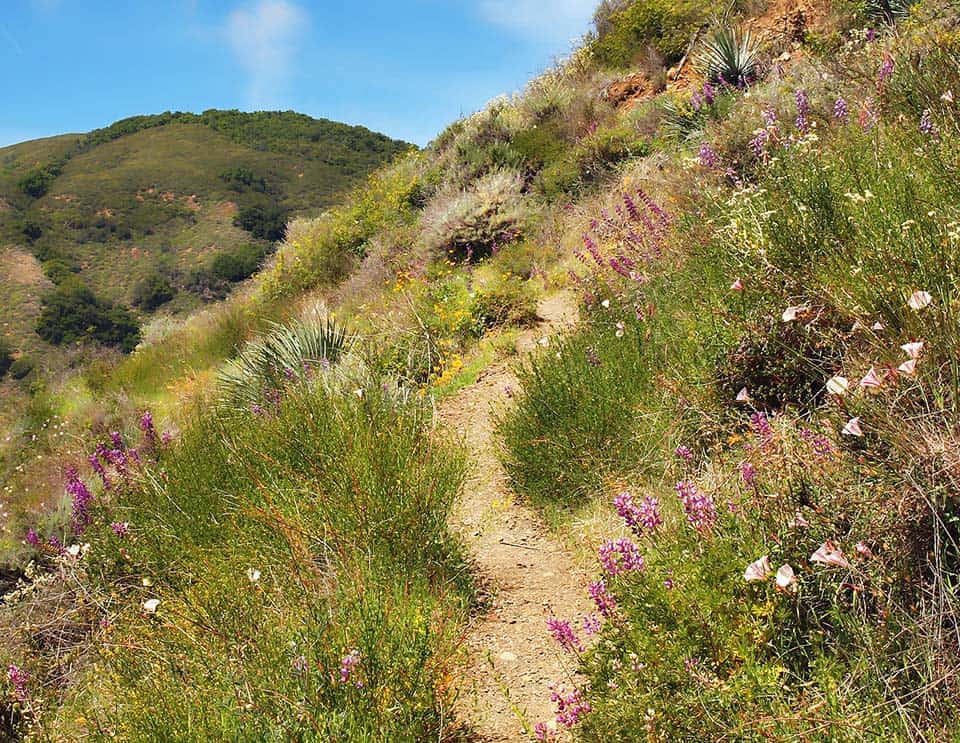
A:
[555,20]
[265,38]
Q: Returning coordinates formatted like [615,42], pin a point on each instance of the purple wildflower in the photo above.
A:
[606,603]
[700,509]
[748,473]
[18,680]
[684,453]
[696,101]
[758,145]
[591,247]
[591,625]
[632,211]
[33,539]
[769,117]
[117,440]
[543,733]
[841,111]
[821,445]
[619,557]
[708,157]
[593,358]
[81,498]
[760,425]
[56,545]
[927,125]
[803,111]
[709,93]
[886,71]
[563,633]
[120,528]
[149,432]
[347,666]
[571,707]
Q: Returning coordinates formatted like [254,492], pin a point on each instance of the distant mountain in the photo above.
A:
[164,210]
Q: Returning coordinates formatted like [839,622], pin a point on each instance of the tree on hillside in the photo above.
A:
[73,313]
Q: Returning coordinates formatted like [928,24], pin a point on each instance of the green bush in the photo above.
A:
[783,363]
[591,159]
[153,292]
[238,264]
[22,367]
[264,222]
[340,505]
[72,313]
[508,301]
[540,145]
[472,223]
[664,25]
[6,357]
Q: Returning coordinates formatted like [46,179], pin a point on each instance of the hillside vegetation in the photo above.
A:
[750,437]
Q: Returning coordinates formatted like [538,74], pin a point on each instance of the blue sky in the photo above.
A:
[406,68]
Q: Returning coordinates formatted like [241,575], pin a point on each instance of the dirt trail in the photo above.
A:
[530,575]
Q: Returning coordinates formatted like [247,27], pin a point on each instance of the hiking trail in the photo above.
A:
[530,575]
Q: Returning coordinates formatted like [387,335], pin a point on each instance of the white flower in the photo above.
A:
[919,299]
[792,313]
[872,379]
[908,367]
[947,97]
[786,578]
[253,575]
[913,350]
[150,606]
[838,386]
[605,304]
[359,393]
[852,428]
[621,329]
[545,341]
[758,570]
[829,554]
[743,395]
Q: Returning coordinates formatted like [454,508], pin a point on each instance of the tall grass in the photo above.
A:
[307,585]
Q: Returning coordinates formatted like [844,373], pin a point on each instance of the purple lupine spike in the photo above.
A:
[81,497]
[841,111]
[709,93]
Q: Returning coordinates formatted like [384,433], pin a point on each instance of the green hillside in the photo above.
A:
[158,198]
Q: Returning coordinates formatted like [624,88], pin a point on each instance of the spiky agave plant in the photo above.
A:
[730,55]
[889,11]
[285,355]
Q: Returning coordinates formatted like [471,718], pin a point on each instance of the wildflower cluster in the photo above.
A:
[699,507]
[641,519]
[623,244]
[563,634]
[619,557]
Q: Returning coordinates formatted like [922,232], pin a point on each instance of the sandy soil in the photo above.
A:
[530,576]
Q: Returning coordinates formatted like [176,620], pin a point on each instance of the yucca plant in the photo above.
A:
[889,11]
[285,355]
[730,55]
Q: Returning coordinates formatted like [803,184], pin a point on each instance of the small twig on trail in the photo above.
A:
[521,546]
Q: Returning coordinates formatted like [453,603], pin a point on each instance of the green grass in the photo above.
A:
[341,505]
